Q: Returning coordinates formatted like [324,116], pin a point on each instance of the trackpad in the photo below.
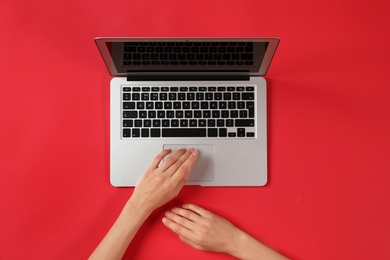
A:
[203,170]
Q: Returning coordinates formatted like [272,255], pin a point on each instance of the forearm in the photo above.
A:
[115,243]
[247,248]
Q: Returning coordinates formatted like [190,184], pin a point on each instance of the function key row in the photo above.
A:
[186,89]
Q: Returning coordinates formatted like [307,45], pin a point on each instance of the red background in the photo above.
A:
[328,124]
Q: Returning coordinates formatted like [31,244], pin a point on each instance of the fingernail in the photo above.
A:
[164,220]
[167,213]
[195,153]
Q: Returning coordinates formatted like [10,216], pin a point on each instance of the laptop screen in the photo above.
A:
[129,56]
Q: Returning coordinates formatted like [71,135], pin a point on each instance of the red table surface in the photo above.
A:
[328,127]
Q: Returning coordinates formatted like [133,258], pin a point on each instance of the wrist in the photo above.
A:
[235,247]
[140,209]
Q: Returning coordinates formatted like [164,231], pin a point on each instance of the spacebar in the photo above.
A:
[184,132]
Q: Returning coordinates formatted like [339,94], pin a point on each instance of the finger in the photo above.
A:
[187,214]
[180,220]
[159,157]
[170,160]
[178,229]
[185,168]
[198,210]
[173,168]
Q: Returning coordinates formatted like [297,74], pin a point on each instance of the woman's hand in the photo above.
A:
[163,180]
[204,230]
[201,228]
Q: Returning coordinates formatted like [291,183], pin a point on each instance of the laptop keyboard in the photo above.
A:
[197,111]
[187,53]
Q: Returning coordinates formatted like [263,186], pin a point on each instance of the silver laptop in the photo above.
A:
[206,93]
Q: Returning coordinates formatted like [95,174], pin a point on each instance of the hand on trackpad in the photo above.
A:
[203,170]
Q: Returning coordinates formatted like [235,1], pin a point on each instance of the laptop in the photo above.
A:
[206,93]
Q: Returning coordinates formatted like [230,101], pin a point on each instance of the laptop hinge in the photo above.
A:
[187,77]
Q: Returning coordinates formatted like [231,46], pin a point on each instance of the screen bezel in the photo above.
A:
[101,43]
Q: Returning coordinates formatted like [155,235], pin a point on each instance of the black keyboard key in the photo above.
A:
[126,96]
[200,96]
[206,114]
[175,123]
[143,114]
[197,114]
[241,105]
[227,96]
[216,114]
[155,132]
[188,114]
[236,96]
[161,114]
[128,105]
[147,123]
[211,122]
[222,105]
[212,132]
[127,123]
[231,134]
[179,113]
[165,123]
[130,114]
[234,113]
[244,122]
[251,109]
[126,132]
[193,123]
[151,114]
[170,114]
[145,132]
[241,132]
[184,123]
[140,105]
[135,132]
[225,113]
[248,96]
[184,132]
[194,105]
[243,113]
[202,122]
[222,132]
[138,123]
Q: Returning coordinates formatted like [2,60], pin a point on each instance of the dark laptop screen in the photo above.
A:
[187,56]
